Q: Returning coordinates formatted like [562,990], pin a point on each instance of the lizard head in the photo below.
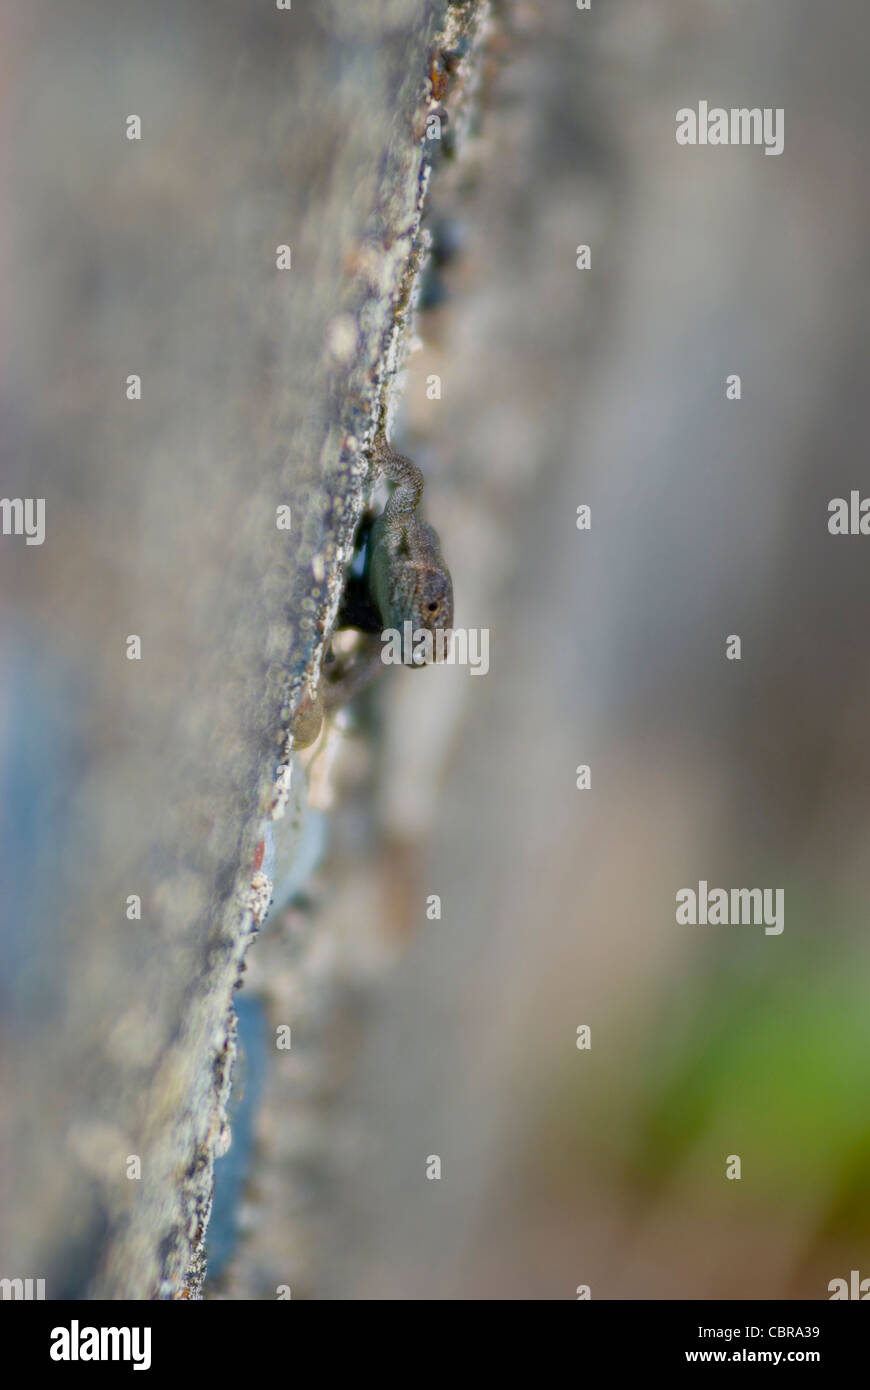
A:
[431,605]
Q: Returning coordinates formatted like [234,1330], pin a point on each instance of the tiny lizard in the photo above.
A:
[407,577]
[405,580]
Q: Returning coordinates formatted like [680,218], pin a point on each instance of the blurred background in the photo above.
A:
[457,1037]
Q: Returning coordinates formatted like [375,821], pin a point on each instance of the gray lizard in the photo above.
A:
[405,581]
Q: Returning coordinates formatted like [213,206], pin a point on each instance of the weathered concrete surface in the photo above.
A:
[606,387]
[260,388]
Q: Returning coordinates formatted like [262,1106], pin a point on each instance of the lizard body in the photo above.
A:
[405,580]
[407,577]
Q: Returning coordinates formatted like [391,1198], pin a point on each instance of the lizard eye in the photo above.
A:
[433,606]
